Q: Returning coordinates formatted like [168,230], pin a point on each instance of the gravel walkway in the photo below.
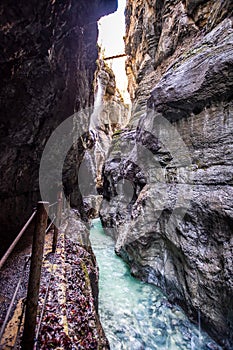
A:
[70,318]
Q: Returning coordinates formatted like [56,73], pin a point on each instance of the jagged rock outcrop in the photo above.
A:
[157,33]
[109,116]
[112,115]
[47,68]
[168,178]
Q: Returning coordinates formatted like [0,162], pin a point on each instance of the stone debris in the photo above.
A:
[68,296]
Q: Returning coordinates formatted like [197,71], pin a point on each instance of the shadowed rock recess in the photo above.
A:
[167,202]
[47,64]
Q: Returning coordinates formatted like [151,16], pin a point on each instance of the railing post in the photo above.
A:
[57,221]
[34,276]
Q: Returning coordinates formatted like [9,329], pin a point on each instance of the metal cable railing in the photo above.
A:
[20,324]
[16,240]
[35,270]
[44,304]
[52,205]
[13,300]
[51,223]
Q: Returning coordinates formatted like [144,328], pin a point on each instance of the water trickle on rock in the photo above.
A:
[94,120]
[136,315]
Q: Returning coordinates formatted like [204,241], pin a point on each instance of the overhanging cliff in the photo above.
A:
[47,64]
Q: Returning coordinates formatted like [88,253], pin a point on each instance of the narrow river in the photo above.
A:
[136,315]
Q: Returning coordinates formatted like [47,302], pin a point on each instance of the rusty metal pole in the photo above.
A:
[13,244]
[57,222]
[55,235]
[34,276]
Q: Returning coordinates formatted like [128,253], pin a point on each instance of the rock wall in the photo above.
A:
[159,32]
[109,116]
[47,64]
[168,178]
[112,116]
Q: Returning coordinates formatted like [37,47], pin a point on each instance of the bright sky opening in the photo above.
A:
[111,33]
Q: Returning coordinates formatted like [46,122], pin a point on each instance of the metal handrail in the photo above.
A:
[13,300]
[35,268]
[44,303]
[13,244]
[51,223]
[51,205]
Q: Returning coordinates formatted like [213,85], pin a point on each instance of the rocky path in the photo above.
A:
[67,315]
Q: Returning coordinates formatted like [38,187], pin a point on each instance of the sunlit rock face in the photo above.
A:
[112,116]
[47,68]
[168,178]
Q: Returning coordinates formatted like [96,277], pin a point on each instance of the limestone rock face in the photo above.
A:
[168,178]
[47,64]
[158,32]
[112,116]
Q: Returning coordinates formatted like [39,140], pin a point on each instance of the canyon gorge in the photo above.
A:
[159,174]
[176,229]
[48,60]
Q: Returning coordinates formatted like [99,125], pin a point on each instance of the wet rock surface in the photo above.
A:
[137,315]
[168,179]
[110,115]
[157,33]
[47,67]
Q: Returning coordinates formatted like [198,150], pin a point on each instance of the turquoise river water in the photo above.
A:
[137,315]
